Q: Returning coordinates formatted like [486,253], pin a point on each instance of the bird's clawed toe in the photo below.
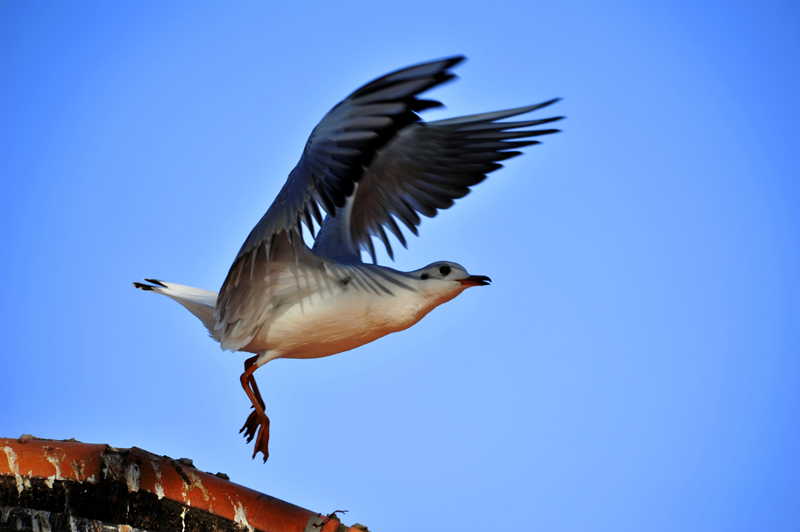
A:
[250,426]
[257,425]
[262,442]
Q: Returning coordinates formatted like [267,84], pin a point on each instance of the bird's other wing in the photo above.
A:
[428,165]
[341,145]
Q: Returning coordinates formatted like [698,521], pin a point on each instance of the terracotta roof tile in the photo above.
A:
[81,483]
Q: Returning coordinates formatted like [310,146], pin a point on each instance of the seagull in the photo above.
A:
[369,164]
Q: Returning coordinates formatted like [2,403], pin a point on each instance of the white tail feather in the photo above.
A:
[199,302]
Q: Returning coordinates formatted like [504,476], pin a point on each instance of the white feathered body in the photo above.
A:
[322,315]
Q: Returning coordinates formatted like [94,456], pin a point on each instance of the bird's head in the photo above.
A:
[447,278]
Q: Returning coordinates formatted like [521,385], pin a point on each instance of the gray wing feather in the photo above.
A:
[344,142]
[427,165]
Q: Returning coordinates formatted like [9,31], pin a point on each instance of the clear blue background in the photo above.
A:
[636,364]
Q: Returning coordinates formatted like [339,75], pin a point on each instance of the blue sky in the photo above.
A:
[634,366]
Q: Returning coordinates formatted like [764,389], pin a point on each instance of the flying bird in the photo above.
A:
[371,164]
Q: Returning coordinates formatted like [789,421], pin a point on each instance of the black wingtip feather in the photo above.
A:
[422,105]
[545,104]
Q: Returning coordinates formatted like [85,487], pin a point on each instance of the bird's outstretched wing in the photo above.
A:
[341,145]
[428,165]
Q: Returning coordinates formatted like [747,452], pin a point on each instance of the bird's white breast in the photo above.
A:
[330,322]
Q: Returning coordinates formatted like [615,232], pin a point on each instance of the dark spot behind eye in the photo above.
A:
[423,276]
[444,270]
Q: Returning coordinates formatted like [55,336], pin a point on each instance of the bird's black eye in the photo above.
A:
[444,270]
[423,276]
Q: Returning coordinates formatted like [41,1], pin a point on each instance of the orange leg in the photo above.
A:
[258,420]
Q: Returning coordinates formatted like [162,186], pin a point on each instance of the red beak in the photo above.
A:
[475,280]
